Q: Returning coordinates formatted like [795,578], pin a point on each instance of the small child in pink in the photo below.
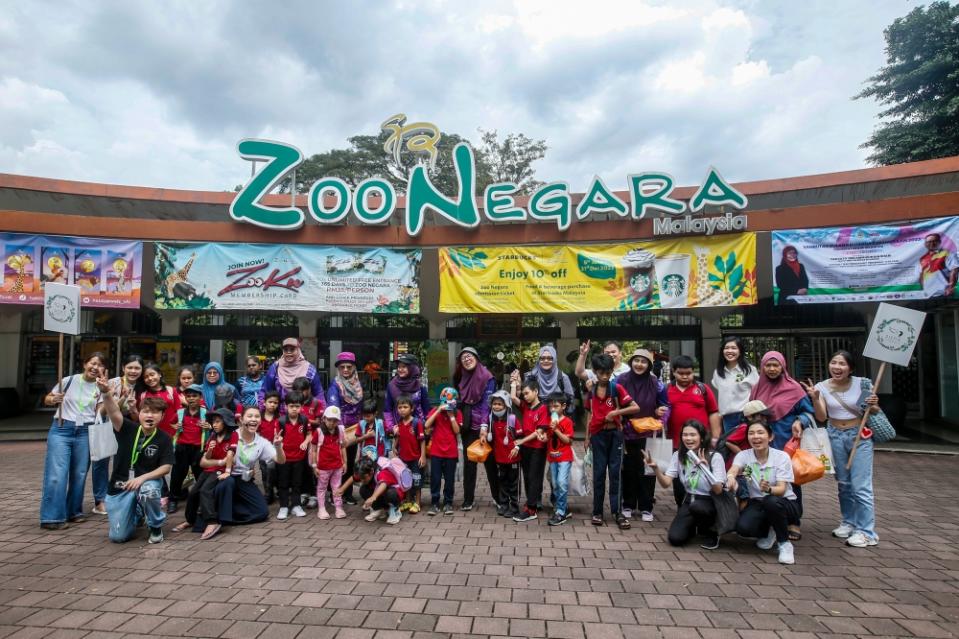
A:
[328,459]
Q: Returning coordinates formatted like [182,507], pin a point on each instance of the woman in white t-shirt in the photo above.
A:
[841,401]
[733,380]
[68,445]
[701,472]
[772,505]
[239,501]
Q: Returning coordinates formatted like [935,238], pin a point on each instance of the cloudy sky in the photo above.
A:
[158,94]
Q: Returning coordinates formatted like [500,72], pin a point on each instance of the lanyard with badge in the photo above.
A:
[244,458]
[138,449]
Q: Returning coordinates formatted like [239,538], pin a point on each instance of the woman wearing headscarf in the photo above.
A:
[550,378]
[791,278]
[789,411]
[292,364]
[650,395]
[214,382]
[475,385]
[346,393]
[406,381]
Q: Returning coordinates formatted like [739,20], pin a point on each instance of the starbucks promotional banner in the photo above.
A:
[107,271]
[866,263]
[287,278]
[681,273]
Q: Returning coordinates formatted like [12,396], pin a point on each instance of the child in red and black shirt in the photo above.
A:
[530,446]
[295,430]
[559,446]
[217,463]
[379,488]
[503,426]
[269,424]
[410,438]
[442,427]
[312,409]
[188,443]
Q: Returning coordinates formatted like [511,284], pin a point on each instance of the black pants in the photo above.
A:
[268,477]
[289,482]
[696,513]
[638,488]
[442,470]
[240,502]
[469,471]
[533,461]
[350,465]
[508,484]
[389,499]
[202,499]
[760,514]
[185,458]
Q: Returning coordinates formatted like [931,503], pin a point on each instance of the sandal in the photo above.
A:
[794,533]
[210,533]
[622,522]
[182,527]
[597,520]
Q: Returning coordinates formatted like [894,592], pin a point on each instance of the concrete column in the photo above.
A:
[216,345]
[712,335]
[170,323]
[336,346]
[568,341]
[437,328]
[242,351]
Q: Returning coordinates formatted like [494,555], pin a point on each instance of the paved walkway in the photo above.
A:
[475,574]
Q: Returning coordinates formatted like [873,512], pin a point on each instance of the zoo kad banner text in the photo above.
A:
[866,263]
[107,271]
[287,278]
[681,273]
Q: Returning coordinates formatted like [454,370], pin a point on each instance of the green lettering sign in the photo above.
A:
[501,203]
[343,198]
[422,194]
[651,191]
[386,191]
[280,159]
[552,202]
[715,190]
[601,200]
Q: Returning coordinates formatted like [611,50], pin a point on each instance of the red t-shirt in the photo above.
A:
[221,449]
[408,438]
[737,437]
[292,438]
[443,439]
[501,433]
[313,410]
[192,433]
[689,404]
[328,457]
[268,427]
[168,423]
[532,418]
[387,477]
[600,407]
[558,451]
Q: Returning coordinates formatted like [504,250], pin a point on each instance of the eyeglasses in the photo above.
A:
[546,358]
[289,349]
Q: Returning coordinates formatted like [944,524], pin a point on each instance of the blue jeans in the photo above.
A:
[855,485]
[559,476]
[64,472]
[607,447]
[101,477]
[127,508]
[732,420]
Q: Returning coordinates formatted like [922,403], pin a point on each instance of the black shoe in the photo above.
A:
[501,510]
[568,515]
[171,507]
[448,509]
[434,510]
[711,543]
[622,522]
[527,514]
[557,520]
[467,506]
[349,499]
[60,525]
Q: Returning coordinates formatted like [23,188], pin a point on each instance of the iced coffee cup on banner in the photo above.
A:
[638,271]
[672,274]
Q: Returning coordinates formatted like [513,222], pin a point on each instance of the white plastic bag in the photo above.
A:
[103,441]
[660,449]
[578,477]
[816,441]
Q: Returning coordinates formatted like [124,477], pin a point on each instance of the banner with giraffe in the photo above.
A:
[643,275]
[107,271]
[287,277]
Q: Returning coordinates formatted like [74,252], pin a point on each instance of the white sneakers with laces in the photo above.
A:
[374,515]
[768,541]
[843,531]
[298,511]
[786,553]
[859,540]
[395,516]
[282,513]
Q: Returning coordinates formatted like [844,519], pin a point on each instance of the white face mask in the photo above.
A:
[499,413]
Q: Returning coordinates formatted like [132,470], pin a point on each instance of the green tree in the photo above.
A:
[511,160]
[920,85]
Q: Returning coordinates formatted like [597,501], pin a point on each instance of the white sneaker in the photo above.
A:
[374,515]
[282,513]
[859,540]
[647,515]
[768,541]
[395,516]
[627,513]
[298,511]
[311,502]
[843,531]
[786,553]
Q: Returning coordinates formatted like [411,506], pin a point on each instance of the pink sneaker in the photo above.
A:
[322,514]
[340,513]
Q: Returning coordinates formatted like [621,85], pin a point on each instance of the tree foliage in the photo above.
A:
[920,86]
[512,159]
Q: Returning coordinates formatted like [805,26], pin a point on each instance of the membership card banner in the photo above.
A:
[285,277]
[866,263]
[681,273]
[106,271]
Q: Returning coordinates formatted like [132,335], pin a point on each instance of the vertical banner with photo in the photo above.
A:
[916,260]
[107,271]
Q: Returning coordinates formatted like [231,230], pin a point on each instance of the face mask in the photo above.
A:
[499,413]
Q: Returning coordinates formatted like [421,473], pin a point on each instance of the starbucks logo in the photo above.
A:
[895,335]
[674,285]
[61,308]
[639,282]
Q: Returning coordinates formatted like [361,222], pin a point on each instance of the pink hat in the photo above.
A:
[345,356]
[291,341]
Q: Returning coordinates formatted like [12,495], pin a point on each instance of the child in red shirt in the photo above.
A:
[560,454]
[269,424]
[530,446]
[503,428]
[295,431]
[188,443]
[379,488]
[442,426]
[217,463]
[312,409]
[410,448]
[328,460]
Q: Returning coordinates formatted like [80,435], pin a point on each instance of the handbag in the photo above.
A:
[578,477]
[880,426]
[727,512]
[102,439]
[478,451]
[644,425]
[660,449]
[816,441]
[806,467]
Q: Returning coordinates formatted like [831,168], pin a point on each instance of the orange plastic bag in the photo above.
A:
[792,446]
[806,467]
[646,425]
[478,451]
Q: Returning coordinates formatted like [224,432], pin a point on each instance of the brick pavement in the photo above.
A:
[473,574]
